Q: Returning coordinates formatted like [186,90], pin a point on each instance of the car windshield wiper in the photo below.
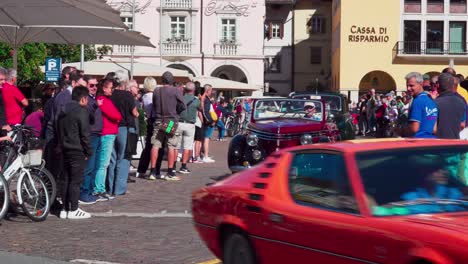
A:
[430,201]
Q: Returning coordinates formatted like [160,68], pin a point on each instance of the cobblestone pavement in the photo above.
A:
[157,228]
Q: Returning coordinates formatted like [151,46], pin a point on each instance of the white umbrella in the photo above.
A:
[64,21]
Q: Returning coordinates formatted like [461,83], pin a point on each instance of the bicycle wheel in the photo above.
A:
[35,197]
[48,180]
[4,197]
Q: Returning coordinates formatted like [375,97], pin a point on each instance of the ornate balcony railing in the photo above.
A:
[431,48]
[177,48]
[228,49]
[177,4]
[122,49]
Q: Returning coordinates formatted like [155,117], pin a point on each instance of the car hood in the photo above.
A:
[455,222]
[286,126]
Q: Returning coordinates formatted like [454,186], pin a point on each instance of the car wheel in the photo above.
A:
[237,250]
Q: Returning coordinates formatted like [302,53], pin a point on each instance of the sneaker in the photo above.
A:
[151,177]
[184,171]
[78,214]
[195,160]
[100,197]
[63,214]
[87,199]
[208,160]
[109,196]
[172,178]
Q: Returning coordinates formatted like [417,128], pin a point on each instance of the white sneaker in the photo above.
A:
[63,214]
[208,160]
[78,214]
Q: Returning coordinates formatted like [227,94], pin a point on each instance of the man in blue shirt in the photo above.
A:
[423,112]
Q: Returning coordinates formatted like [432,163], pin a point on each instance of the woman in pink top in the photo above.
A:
[110,127]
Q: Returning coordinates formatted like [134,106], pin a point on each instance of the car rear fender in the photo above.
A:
[428,254]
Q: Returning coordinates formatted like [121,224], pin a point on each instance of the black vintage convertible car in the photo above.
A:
[337,109]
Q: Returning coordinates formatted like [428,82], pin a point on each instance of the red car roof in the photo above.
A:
[362,145]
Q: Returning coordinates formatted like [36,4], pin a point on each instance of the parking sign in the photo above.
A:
[53,67]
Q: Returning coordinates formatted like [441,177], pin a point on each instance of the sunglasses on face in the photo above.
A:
[92,85]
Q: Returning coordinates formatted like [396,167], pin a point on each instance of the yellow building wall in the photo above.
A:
[305,73]
[374,50]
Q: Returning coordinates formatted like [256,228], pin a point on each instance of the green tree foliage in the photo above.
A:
[32,56]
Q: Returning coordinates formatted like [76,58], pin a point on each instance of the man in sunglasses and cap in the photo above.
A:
[310,111]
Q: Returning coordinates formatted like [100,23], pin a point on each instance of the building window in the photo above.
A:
[412,6]
[435,6]
[178,27]
[274,30]
[412,37]
[228,30]
[316,25]
[273,64]
[457,36]
[315,55]
[128,21]
[313,182]
[458,6]
[435,37]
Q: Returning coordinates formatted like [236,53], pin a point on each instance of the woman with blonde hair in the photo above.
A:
[149,85]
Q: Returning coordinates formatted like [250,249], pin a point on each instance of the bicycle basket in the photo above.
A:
[32,158]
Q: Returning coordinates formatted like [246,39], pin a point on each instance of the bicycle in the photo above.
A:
[24,169]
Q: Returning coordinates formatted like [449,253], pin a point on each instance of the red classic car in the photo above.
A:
[277,123]
[386,201]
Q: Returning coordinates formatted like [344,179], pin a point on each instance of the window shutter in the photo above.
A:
[281,30]
[270,30]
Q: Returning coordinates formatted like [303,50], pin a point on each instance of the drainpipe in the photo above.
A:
[293,49]
[201,40]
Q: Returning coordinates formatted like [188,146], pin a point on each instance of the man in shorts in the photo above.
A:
[168,103]
[187,120]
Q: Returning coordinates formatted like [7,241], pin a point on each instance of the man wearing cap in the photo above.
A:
[186,127]
[310,112]
[168,103]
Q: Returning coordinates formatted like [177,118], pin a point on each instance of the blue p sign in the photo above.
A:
[52,69]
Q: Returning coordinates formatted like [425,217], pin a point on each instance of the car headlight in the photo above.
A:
[252,140]
[306,139]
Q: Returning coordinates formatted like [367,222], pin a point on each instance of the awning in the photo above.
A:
[222,84]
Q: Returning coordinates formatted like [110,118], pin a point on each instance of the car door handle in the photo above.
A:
[276,218]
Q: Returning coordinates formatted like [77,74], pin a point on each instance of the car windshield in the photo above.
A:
[332,102]
[415,181]
[288,108]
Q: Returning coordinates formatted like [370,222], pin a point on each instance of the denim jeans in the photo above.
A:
[221,128]
[119,166]
[102,163]
[89,174]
